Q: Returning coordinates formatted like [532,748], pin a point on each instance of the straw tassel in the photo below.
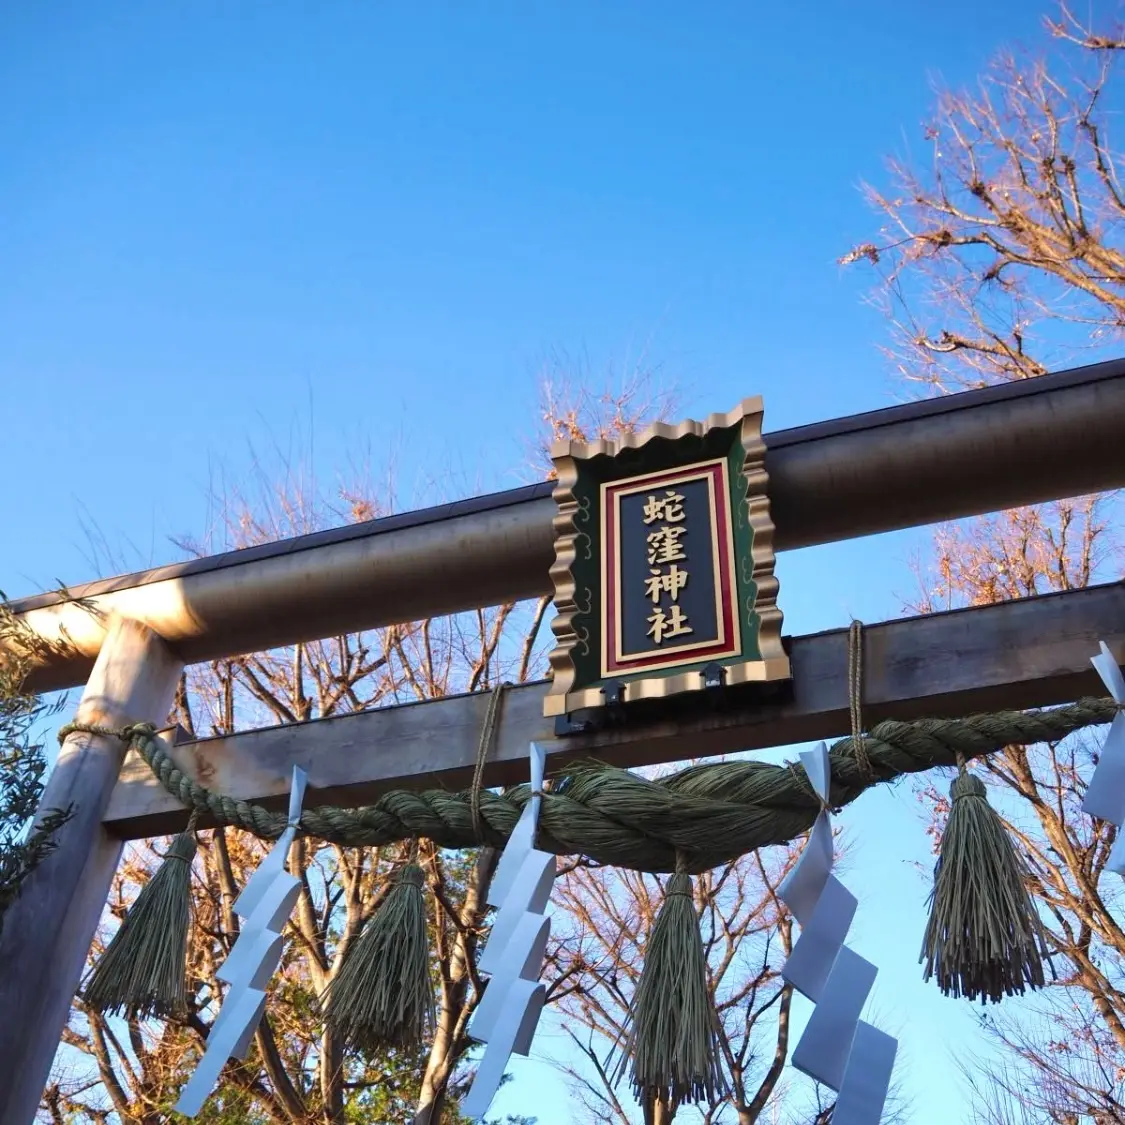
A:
[983,938]
[673,1039]
[142,971]
[383,995]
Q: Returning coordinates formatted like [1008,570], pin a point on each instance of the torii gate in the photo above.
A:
[1046,438]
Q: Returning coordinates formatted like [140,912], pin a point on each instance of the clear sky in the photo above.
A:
[358,229]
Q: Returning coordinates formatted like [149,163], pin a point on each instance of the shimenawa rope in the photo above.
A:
[712,813]
[855,692]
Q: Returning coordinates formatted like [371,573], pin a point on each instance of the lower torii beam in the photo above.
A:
[1029,653]
[49,928]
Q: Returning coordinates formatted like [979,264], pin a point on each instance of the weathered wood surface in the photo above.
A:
[1040,439]
[1020,654]
[48,930]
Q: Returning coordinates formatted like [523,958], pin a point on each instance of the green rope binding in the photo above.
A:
[711,813]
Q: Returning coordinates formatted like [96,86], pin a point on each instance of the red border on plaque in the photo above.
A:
[729,641]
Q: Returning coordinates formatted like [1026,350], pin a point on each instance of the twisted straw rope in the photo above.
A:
[855,691]
[710,813]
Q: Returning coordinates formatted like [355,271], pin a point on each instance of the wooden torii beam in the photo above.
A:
[981,451]
[1030,653]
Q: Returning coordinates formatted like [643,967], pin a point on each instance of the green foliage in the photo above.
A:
[391,1096]
[22,765]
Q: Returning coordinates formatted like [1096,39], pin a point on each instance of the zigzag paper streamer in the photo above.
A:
[265,904]
[1105,795]
[837,1048]
[508,1013]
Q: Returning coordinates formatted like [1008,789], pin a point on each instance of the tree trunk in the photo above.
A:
[659,1112]
[457,1002]
[435,1081]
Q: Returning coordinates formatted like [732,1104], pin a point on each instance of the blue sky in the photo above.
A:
[358,230]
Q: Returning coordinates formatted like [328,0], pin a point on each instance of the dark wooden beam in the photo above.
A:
[921,462]
[1021,654]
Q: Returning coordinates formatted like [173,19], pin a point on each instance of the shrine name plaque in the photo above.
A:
[664,564]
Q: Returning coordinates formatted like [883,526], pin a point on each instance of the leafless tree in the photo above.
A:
[1073,1038]
[1005,252]
[1001,258]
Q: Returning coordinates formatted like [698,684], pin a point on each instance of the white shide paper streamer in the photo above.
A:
[265,904]
[506,1018]
[1105,795]
[837,1048]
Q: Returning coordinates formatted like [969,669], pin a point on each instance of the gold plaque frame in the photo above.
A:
[753,507]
